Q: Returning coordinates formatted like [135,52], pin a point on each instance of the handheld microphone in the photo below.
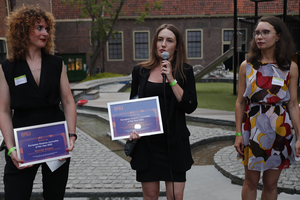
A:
[165,56]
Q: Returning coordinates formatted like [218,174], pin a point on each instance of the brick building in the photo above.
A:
[206,25]
[4,12]
[7,6]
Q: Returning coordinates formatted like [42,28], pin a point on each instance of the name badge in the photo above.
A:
[20,80]
[277,81]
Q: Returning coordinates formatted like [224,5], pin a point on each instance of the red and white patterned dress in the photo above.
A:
[266,124]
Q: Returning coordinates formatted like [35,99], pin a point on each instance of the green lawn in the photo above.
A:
[218,96]
[102,75]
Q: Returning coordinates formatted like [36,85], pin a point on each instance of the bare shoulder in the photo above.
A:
[2,78]
[293,71]
[293,68]
[294,65]
[243,67]
[244,63]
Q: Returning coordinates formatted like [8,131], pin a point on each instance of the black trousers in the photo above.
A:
[18,183]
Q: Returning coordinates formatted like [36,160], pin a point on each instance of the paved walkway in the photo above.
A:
[225,160]
[97,172]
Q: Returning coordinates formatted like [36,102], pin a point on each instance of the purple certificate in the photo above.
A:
[42,143]
[142,115]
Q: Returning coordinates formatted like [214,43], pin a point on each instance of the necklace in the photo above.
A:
[33,68]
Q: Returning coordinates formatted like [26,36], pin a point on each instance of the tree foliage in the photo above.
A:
[104,14]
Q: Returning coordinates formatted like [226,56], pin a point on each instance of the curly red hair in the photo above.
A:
[18,25]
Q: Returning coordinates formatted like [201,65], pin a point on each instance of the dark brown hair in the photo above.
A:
[19,24]
[179,56]
[284,46]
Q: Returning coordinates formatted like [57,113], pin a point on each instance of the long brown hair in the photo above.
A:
[19,24]
[179,56]
[284,46]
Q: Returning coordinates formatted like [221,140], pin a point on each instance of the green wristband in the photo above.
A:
[11,150]
[238,134]
[173,83]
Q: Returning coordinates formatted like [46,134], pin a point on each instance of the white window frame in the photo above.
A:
[186,39]
[228,42]
[7,8]
[133,36]
[90,35]
[107,48]
[3,38]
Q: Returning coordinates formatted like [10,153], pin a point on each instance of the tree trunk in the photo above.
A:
[94,58]
[100,46]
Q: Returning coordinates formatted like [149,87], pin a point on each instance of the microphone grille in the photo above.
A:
[165,55]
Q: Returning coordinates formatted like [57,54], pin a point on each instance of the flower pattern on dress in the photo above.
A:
[266,123]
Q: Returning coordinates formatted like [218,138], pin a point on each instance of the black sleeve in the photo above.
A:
[189,99]
[135,82]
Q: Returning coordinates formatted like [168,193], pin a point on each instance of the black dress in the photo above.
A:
[159,168]
[178,136]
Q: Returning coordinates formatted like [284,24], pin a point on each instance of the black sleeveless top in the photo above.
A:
[34,104]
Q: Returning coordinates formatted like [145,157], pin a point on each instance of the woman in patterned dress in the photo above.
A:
[266,107]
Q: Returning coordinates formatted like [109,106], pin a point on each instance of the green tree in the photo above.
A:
[104,14]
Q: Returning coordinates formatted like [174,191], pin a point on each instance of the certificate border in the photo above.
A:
[113,137]
[1,141]
[16,130]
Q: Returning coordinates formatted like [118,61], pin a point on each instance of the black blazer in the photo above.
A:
[181,158]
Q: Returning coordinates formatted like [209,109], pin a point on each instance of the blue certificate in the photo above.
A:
[142,115]
[42,143]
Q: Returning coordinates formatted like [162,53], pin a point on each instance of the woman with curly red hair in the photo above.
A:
[34,99]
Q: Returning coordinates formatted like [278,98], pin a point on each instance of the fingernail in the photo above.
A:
[67,150]
[22,162]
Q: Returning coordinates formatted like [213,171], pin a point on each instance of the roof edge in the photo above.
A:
[180,16]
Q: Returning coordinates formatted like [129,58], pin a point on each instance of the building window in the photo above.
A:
[194,44]
[115,47]
[71,65]
[141,45]
[227,39]
[78,63]
[227,35]
[92,33]
[3,52]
